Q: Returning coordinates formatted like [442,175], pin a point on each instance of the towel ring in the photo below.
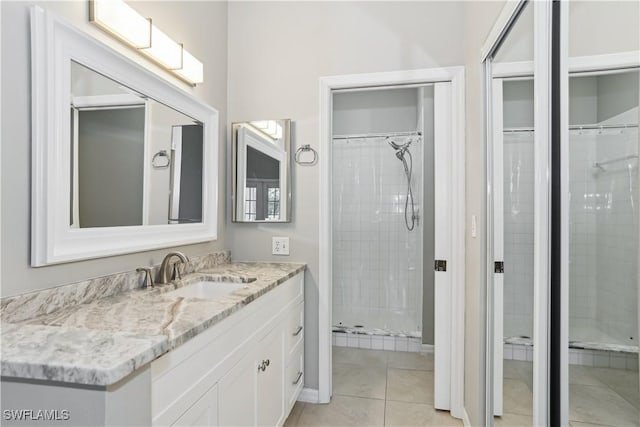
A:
[161,153]
[301,150]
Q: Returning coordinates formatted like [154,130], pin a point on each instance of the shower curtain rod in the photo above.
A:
[376,135]
[575,127]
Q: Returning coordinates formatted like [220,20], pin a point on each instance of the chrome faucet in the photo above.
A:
[163,275]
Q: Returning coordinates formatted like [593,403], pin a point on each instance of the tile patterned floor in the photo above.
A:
[385,388]
[597,396]
[376,388]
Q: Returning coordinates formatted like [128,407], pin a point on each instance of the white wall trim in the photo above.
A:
[576,64]
[426,76]
[542,12]
[309,395]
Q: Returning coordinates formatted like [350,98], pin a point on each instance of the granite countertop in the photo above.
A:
[101,342]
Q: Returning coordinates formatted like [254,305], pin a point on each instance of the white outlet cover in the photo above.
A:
[280,245]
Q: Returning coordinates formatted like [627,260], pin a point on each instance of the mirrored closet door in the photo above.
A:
[599,139]
[518,141]
[562,94]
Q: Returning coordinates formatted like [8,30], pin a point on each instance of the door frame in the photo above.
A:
[455,75]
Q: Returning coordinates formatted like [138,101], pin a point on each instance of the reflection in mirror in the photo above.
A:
[134,161]
[261,171]
[603,147]
[512,147]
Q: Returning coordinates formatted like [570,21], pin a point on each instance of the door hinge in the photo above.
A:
[441,265]
[498,267]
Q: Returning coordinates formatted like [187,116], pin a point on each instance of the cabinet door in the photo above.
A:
[270,384]
[237,393]
[203,413]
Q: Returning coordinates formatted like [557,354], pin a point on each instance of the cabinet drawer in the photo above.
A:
[294,329]
[294,378]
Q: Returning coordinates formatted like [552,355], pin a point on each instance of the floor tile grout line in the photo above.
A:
[358,397]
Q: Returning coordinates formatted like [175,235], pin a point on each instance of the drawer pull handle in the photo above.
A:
[263,366]
[297,332]
[298,378]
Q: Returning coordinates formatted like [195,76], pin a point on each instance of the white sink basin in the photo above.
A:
[206,289]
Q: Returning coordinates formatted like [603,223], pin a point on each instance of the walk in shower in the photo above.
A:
[378,202]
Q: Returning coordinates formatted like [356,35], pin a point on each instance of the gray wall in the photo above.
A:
[201,26]
[583,100]
[320,39]
[592,99]
[518,103]
[110,175]
[393,110]
[617,94]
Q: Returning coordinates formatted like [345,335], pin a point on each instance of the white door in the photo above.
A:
[498,245]
[443,224]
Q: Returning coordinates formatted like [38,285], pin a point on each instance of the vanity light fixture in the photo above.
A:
[117,18]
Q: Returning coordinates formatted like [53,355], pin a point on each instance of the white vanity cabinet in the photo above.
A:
[252,393]
[203,413]
[246,370]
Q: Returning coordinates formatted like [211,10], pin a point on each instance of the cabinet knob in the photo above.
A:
[297,332]
[263,366]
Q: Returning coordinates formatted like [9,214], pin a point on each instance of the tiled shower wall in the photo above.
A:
[604,229]
[518,234]
[617,237]
[603,236]
[377,277]
[583,248]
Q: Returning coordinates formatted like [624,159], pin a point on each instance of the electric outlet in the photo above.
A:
[280,245]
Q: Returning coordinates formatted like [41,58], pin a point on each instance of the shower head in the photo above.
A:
[400,148]
[394,144]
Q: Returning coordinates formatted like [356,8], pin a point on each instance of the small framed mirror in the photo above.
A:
[261,175]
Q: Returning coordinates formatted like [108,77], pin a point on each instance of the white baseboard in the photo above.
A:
[309,395]
[427,348]
[465,418]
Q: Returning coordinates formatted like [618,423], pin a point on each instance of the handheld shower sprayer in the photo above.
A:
[402,152]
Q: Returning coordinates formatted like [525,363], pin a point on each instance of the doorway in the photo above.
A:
[396,147]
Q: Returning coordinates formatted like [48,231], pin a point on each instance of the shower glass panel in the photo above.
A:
[377,260]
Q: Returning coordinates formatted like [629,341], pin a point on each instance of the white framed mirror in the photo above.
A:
[122,160]
[261,160]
